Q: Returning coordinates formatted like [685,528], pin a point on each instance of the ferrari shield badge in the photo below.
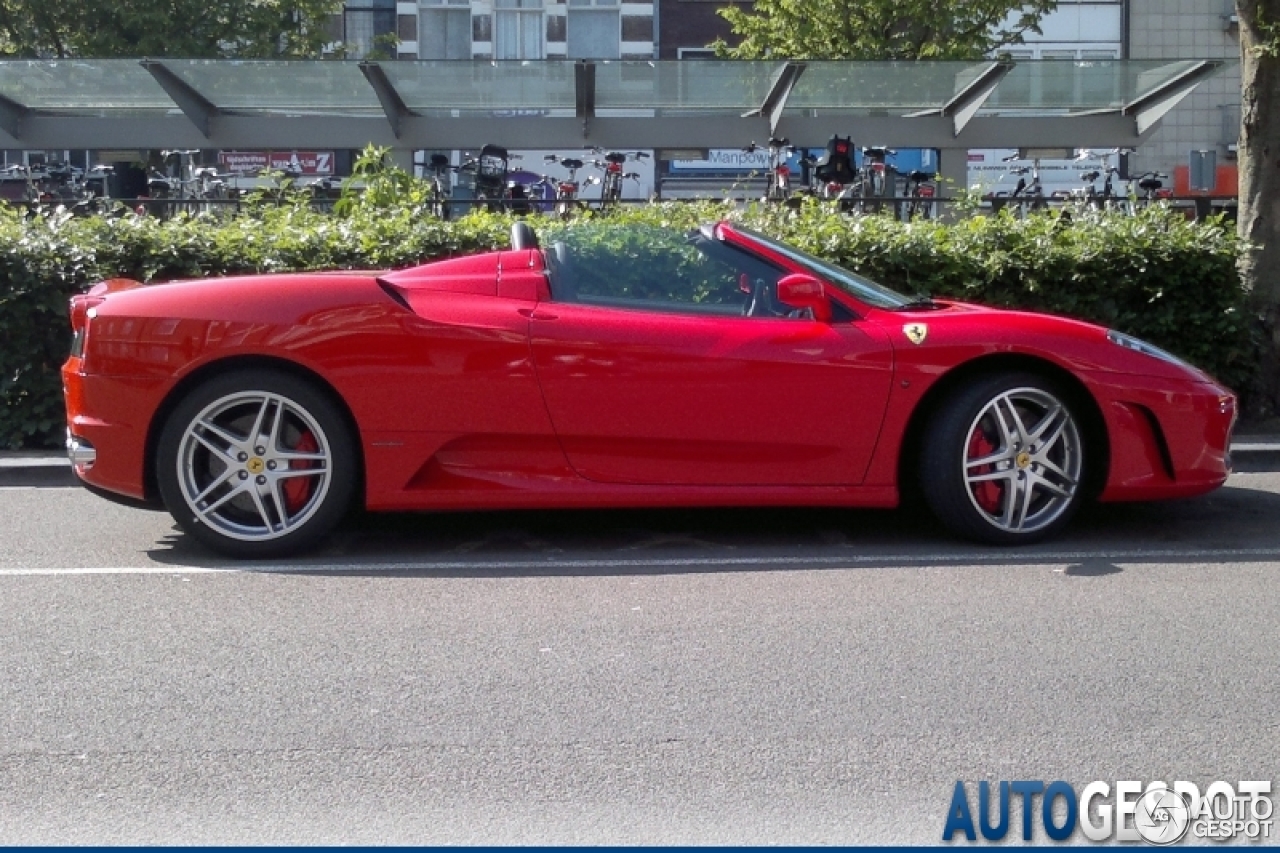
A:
[916,332]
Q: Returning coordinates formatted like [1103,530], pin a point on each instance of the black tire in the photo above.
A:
[1003,460]
[237,491]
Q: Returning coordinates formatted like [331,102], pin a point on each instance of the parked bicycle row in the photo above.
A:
[489,179]
[56,184]
[865,180]
[1114,192]
[834,175]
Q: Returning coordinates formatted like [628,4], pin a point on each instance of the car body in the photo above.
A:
[616,366]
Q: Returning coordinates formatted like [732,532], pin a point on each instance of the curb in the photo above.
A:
[1255,453]
[24,469]
[1249,454]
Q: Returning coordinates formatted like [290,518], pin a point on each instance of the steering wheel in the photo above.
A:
[760,301]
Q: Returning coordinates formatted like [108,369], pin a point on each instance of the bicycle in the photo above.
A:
[612,174]
[1149,189]
[80,195]
[832,175]
[872,189]
[1088,195]
[920,192]
[32,191]
[567,202]
[489,172]
[64,185]
[1028,197]
[778,176]
[438,188]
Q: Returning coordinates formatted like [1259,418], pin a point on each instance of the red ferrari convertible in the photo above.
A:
[616,366]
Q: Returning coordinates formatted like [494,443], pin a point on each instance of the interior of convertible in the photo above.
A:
[655,269]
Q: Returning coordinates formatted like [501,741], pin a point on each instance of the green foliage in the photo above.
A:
[879,29]
[378,184]
[1158,276]
[174,28]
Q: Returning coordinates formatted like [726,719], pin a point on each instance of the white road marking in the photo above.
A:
[840,561]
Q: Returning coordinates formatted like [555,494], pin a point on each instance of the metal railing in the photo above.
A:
[938,207]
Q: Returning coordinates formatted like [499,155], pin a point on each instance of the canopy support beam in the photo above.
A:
[392,104]
[584,91]
[1149,108]
[198,109]
[776,100]
[965,104]
[11,115]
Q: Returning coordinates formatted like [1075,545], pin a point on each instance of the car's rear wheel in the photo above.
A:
[1003,460]
[257,464]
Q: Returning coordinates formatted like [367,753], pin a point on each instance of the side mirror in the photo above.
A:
[801,291]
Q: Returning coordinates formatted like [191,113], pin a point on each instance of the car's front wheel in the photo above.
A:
[1003,460]
[257,464]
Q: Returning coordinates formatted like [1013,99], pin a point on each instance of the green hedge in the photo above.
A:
[1157,276]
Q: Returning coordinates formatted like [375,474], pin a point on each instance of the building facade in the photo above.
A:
[525,29]
[1208,120]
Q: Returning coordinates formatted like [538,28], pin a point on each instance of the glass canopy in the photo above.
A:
[108,87]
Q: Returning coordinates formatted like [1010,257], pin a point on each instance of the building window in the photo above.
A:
[518,29]
[407,28]
[444,30]
[593,29]
[363,21]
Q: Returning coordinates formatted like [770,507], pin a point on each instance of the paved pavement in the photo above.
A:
[693,677]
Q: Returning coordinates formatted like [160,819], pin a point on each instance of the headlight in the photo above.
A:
[1139,345]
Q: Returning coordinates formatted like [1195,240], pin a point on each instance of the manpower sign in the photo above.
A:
[300,162]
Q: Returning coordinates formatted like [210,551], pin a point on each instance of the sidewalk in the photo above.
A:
[1249,452]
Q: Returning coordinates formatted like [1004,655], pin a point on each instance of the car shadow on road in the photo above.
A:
[1237,522]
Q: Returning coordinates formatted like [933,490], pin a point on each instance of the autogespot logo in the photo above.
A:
[1157,813]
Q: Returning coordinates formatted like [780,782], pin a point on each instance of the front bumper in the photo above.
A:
[1168,438]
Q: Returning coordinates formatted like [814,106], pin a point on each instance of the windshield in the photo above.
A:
[859,287]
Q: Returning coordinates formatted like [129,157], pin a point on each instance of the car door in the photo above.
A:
[652,375]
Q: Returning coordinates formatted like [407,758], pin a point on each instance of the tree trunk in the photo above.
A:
[1259,164]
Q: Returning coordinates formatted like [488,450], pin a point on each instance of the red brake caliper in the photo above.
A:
[988,493]
[298,489]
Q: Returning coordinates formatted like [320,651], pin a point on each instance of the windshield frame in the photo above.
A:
[858,286]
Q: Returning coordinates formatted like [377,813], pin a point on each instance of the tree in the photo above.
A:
[159,28]
[1259,167]
[880,29]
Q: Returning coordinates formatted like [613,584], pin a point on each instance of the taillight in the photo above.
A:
[877,167]
[80,305]
[81,312]
[925,191]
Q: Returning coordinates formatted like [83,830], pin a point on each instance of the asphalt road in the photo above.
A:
[610,677]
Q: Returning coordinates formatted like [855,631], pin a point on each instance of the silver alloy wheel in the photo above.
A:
[254,466]
[1023,460]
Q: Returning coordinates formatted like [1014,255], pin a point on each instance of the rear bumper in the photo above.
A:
[111,416]
[1168,438]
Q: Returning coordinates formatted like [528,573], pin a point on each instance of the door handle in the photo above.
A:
[535,314]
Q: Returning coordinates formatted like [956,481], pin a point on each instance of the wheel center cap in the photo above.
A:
[1023,460]
[255,465]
